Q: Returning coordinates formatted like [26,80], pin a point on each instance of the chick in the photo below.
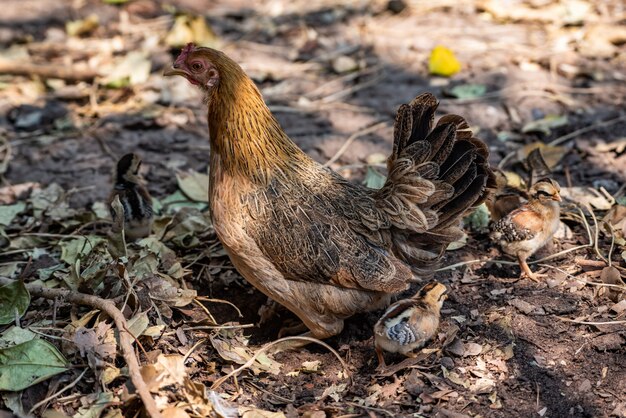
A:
[409,323]
[128,187]
[525,230]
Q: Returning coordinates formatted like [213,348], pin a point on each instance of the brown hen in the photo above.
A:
[306,237]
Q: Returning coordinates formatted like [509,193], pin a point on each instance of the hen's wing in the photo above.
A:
[315,231]
[520,225]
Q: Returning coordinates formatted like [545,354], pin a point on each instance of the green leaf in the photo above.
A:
[177,200]
[26,364]
[546,124]
[9,212]
[468,91]
[479,219]
[9,269]
[138,324]
[373,179]
[16,335]
[95,408]
[73,249]
[14,297]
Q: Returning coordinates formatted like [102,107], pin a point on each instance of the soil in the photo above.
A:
[538,362]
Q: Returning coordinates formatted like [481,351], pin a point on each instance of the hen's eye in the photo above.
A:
[196,66]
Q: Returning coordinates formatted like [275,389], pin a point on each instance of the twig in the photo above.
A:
[205,299]
[267,346]
[351,139]
[126,338]
[591,323]
[602,124]
[51,397]
[47,71]
[192,349]
[371,408]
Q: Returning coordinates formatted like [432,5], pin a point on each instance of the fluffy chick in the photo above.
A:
[135,200]
[525,230]
[409,323]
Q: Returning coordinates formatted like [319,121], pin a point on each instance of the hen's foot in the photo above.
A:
[268,311]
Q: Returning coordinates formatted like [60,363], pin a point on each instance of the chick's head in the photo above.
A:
[433,293]
[546,190]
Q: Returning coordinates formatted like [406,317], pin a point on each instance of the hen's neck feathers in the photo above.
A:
[245,136]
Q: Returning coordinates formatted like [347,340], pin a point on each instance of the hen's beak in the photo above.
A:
[174,70]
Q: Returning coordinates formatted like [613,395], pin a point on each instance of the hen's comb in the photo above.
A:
[189,48]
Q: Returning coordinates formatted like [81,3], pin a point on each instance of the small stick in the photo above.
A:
[126,338]
[602,124]
[47,71]
[267,346]
[351,139]
[591,323]
[51,397]
[205,299]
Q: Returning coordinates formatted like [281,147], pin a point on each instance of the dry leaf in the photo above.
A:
[587,195]
[552,155]
[443,62]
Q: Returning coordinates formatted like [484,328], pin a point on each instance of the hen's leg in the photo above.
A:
[287,330]
[525,269]
[318,329]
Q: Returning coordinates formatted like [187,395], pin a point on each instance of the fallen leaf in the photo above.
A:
[166,370]
[334,391]
[311,366]
[9,212]
[14,300]
[552,155]
[174,412]
[194,185]
[545,125]
[587,195]
[188,29]
[443,62]
[373,179]
[460,243]
[131,69]
[82,26]
[467,91]
[15,335]
[251,412]
[29,363]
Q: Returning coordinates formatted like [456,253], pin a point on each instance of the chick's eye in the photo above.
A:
[543,193]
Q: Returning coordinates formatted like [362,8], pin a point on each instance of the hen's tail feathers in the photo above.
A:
[436,175]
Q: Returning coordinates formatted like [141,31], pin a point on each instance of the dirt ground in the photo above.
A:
[553,72]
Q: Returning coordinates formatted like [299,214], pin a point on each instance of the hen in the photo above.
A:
[322,246]
[409,323]
[525,230]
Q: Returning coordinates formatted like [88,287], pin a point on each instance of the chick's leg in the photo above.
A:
[381,359]
[525,269]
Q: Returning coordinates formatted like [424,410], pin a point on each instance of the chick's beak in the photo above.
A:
[174,70]
[557,197]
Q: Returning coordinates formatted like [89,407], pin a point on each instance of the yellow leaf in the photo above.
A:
[443,62]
